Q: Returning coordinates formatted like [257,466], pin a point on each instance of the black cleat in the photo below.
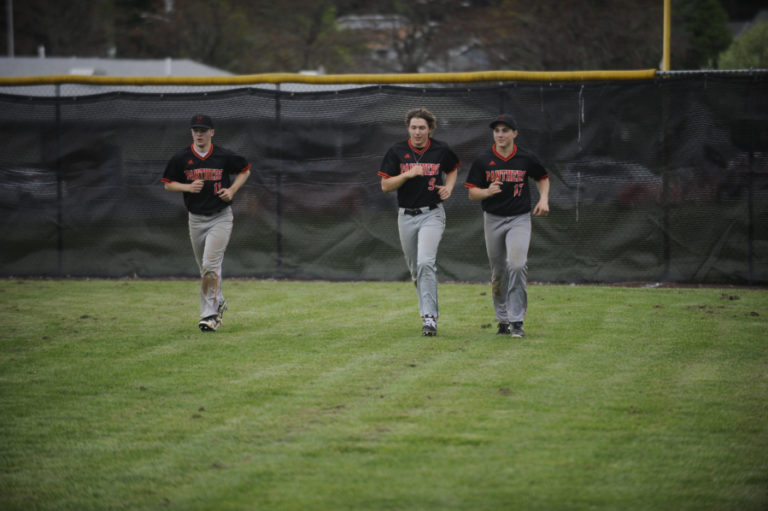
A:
[517,329]
[503,329]
[209,324]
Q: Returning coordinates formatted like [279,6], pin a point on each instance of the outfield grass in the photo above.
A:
[324,396]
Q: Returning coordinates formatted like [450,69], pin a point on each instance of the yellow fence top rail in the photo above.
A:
[479,76]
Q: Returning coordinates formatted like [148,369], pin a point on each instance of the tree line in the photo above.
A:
[245,37]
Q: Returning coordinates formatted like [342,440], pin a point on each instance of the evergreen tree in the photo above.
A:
[704,23]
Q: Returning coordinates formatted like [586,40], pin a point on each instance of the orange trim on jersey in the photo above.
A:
[542,178]
[246,169]
[512,154]
[470,185]
[166,180]
[422,150]
[200,156]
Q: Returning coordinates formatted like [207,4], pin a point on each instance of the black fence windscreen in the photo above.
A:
[652,180]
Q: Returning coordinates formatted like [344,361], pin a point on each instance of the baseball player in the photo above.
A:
[201,172]
[499,179]
[423,171]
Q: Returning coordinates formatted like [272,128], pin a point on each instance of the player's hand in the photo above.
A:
[444,192]
[541,209]
[416,170]
[196,186]
[494,188]
[226,195]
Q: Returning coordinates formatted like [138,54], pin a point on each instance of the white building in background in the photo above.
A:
[44,66]
[49,66]
[379,30]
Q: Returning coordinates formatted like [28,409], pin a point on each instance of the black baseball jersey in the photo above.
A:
[436,158]
[214,168]
[513,171]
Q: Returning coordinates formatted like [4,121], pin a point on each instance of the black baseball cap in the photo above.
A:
[201,121]
[506,119]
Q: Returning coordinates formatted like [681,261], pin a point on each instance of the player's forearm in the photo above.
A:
[175,186]
[450,179]
[478,194]
[543,186]
[390,184]
[239,181]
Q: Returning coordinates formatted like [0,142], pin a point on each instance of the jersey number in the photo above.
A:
[432,182]
[519,189]
[216,188]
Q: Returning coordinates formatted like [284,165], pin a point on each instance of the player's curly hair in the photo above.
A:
[421,113]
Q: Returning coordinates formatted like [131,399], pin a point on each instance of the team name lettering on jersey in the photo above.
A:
[430,169]
[204,174]
[506,176]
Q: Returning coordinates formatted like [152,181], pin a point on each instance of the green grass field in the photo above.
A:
[324,396]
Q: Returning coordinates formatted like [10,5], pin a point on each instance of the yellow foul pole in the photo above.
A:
[667,34]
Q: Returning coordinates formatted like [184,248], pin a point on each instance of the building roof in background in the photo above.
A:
[738,28]
[44,66]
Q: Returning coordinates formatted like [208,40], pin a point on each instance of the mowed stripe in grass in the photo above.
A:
[319,395]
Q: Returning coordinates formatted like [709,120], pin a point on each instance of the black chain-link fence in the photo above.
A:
[652,180]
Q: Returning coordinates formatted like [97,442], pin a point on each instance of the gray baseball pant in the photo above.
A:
[210,237]
[507,239]
[420,236]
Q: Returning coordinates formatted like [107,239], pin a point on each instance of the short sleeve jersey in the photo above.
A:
[513,171]
[215,169]
[436,158]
